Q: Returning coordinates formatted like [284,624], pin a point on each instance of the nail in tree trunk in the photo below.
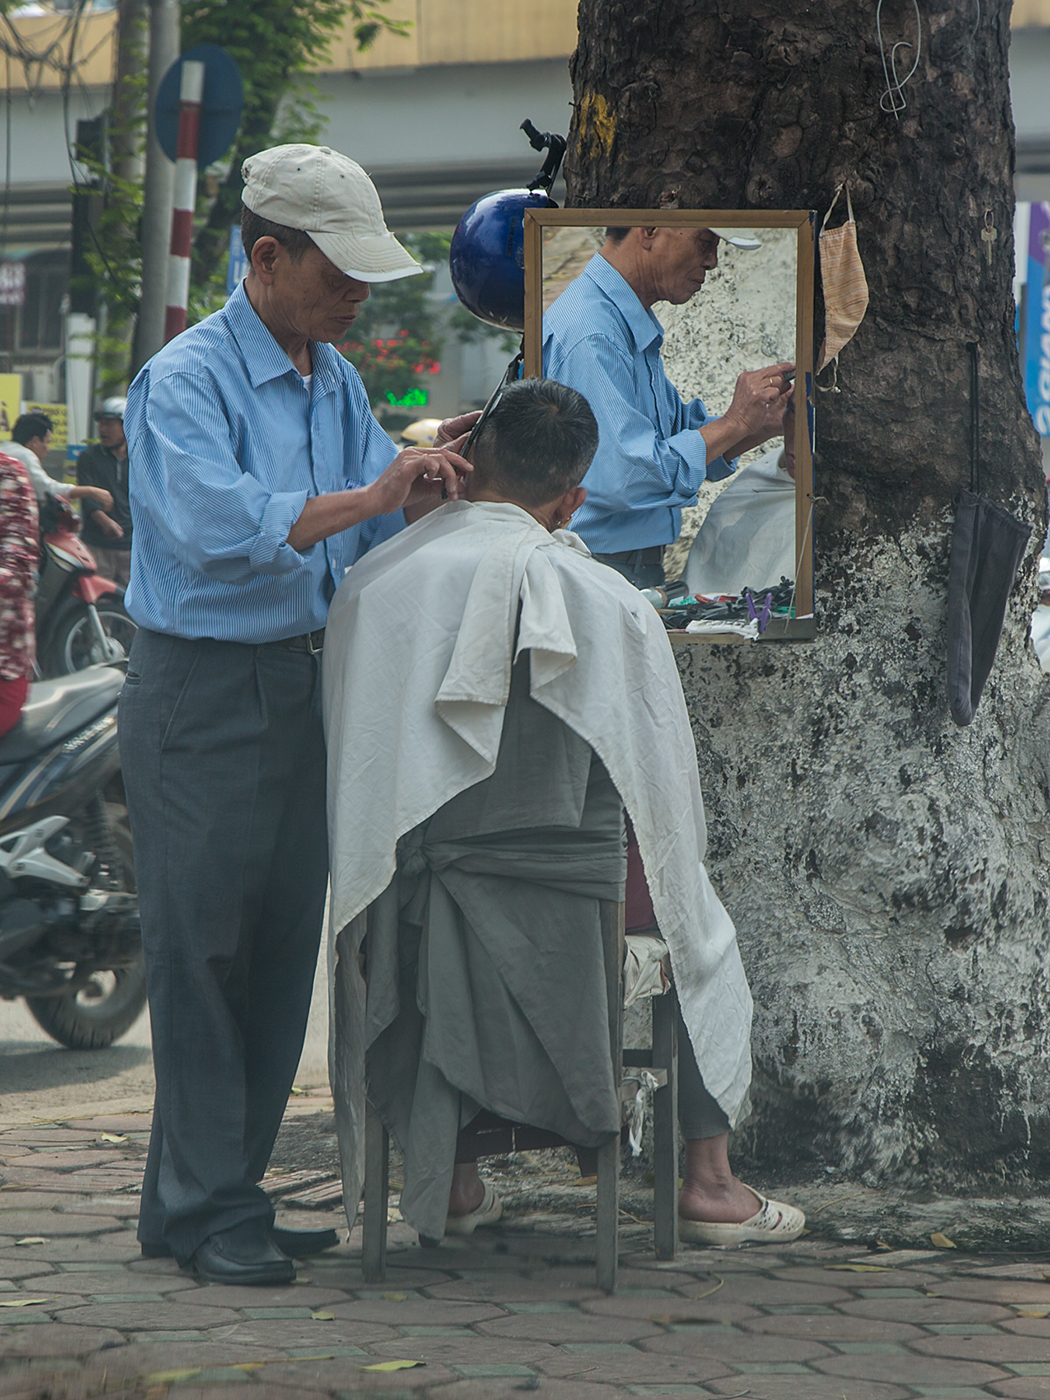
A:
[887,871]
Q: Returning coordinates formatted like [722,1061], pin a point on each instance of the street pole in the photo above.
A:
[191,93]
[164,49]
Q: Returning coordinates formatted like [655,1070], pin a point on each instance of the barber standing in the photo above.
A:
[259,476]
[601,338]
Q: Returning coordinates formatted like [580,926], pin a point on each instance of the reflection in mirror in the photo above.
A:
[728,308]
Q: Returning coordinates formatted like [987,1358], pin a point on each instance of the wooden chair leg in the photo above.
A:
[608,1213]
[377,1184]
[665,1127]
[608,1216]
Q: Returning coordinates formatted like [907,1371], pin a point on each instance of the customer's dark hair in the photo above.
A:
[29,426]
[617,234]
[537,443]
[254,227]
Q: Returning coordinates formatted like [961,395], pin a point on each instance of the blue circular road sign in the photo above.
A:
[220,109]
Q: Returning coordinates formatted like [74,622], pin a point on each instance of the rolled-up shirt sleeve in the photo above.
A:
[219,518]
[635,467]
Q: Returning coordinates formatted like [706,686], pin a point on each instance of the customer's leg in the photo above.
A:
[195,736]
[709,1191]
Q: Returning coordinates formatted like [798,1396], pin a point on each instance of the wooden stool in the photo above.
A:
[661,1060]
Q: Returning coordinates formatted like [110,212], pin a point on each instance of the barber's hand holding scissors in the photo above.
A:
[759,400]
[421,476]
[453,428]
[755,415]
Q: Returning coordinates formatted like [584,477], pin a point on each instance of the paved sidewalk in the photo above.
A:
[511,1311]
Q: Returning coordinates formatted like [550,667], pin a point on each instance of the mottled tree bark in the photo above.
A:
[887,871]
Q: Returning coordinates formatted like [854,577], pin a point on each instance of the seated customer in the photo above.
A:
[747,539]
[494,697]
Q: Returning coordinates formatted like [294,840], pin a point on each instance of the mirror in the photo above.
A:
[754,310]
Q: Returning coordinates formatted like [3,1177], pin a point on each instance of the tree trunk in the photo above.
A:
[886,870]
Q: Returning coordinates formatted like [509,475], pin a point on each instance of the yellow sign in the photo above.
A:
[57,413]
[10,398]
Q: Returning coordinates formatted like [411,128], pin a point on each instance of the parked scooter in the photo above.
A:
[80,617]
[69,926]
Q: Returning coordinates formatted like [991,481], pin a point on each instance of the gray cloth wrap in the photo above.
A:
[486,983]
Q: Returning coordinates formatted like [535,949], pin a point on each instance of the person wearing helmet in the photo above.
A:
[260,477]
[29,445]
[600,337]
[107,533]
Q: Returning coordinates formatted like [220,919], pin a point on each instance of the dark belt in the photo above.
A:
[311,642]
[652,555]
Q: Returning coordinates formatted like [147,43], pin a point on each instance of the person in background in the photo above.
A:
[19,555]
[29,445]
[602,338]
[747,539]
[107,532]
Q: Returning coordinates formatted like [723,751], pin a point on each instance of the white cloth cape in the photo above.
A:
[747,539]
[417,661]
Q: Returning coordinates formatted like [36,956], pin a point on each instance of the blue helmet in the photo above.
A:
[487,256]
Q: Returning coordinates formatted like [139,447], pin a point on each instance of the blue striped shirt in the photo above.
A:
[599,339]
[226,445]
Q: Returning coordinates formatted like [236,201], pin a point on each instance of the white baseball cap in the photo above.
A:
[328,196]
[739,238]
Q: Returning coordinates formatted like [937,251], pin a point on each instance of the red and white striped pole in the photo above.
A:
[191,92]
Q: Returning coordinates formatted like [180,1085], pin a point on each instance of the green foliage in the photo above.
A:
[400,331]
[113,251]
[274,42]
[396,341]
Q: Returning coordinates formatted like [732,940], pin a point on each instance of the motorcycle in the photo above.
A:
[70,942]
[80,618]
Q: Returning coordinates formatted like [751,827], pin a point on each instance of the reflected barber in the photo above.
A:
[259,476]
[601,337]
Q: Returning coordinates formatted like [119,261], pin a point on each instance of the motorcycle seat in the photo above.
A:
[59,708]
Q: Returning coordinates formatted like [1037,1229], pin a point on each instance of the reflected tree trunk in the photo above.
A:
[886,870]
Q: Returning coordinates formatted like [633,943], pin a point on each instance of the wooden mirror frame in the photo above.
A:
[802,625]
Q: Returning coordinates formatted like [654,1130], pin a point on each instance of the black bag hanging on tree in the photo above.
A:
[988,545]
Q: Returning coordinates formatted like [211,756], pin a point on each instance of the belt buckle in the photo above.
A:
[311,648]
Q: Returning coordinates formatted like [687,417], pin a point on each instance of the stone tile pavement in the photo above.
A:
[511,1311]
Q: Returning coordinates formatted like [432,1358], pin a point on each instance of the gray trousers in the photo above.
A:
[222,750]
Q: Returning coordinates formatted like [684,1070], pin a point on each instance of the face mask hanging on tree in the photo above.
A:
[845,287]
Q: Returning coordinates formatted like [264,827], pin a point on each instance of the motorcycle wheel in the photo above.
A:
[100,1013]
[75,643]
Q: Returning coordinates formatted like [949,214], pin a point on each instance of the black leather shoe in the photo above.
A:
[297,1244]
[243,1254]
[303,1244]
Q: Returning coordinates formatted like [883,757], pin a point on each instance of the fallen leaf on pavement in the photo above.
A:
[395,1297]
[32,1239]
[861,1268]
[323,1317]
[1032,1312]
[114,1137]
[24,1302]
[393,1366]
[941,1241]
